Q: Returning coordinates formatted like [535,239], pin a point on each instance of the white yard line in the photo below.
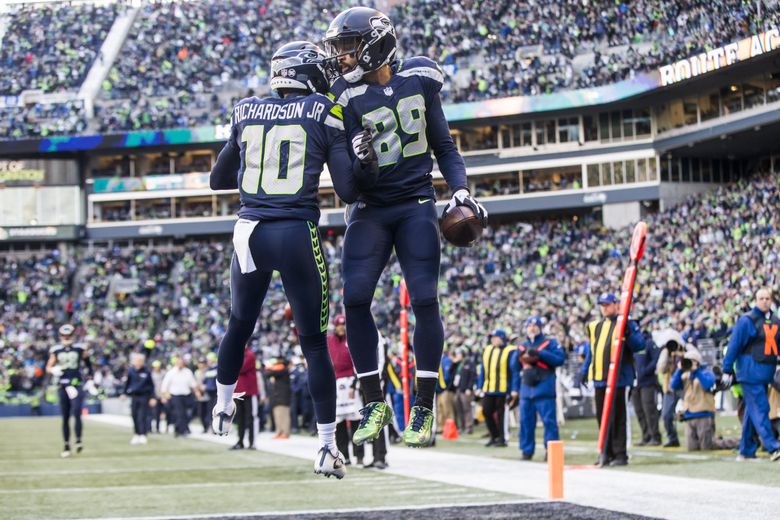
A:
[317,511]
[631,492]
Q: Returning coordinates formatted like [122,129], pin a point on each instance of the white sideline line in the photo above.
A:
[317,511]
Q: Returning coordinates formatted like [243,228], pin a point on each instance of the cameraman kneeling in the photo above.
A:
[698,400]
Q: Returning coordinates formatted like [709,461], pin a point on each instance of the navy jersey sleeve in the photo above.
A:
[340,164]
[450,161]
[338,94]
[224,175]
[364,178]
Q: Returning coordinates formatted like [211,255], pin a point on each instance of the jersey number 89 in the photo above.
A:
[384,125]
[262,159]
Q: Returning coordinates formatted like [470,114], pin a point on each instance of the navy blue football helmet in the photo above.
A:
[367,34]
[299,66]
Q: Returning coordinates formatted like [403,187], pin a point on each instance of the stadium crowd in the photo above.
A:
[705,258]
[51,47]
[41,120]
[178,55]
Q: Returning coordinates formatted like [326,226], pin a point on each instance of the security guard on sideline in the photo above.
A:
[596,366]
[753,347]
[496,381]
[538,356]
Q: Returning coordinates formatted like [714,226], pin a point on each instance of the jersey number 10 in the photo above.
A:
[262,159]
[384,125]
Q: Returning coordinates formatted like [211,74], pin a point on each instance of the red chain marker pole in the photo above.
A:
[404,300]
[626,295]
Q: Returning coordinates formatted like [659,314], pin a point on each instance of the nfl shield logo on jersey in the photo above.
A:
[388,91]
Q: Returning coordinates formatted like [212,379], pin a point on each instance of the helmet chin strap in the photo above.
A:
[354,75]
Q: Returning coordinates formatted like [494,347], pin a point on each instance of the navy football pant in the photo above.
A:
[412,229]
[291,247]
[70,407]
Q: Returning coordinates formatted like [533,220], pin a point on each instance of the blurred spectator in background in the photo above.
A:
[157,407]
[348,401]
[301,409]
[644,396]
[445,394]
[178,388]
[140,387]
[277,372]
[672,351]
[202,411]
[697,383]
[210,387]
[245,408]
[464,380]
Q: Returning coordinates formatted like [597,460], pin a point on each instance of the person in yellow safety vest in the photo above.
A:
[596,366]
[499,362]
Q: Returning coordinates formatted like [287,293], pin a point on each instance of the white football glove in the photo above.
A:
[363,146]
[56,371]
[726,381]
[464,198]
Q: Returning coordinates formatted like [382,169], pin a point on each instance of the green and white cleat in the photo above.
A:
[419,431]
[376,416]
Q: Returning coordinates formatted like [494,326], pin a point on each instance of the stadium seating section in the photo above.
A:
[182,64]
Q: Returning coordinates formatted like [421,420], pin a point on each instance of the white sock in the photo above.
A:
[327,435]
[224,396]
[427,373]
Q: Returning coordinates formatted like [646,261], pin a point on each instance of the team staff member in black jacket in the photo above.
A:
[140,387]
[465,375]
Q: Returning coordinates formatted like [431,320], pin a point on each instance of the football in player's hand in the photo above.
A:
[461,227]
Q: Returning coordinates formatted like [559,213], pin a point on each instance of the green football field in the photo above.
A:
[181,477]
[184,477]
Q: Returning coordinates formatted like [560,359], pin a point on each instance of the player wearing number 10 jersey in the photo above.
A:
[393,117]
[275,156]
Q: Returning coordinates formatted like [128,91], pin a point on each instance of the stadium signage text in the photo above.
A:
[15,171]
[35,233]
[720,57]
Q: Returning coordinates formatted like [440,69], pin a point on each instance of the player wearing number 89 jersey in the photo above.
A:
[395,105]
[275,155]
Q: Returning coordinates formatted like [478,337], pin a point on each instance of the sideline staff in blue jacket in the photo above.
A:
[538,358]
[753,347]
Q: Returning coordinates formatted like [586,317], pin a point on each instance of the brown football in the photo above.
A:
[461,227]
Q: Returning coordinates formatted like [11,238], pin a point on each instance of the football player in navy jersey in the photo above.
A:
[274,156]
[66,363]
[393,118]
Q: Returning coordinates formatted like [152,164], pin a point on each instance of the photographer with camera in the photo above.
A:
[672,351]
[697,383]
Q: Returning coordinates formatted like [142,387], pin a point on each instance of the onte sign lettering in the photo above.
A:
[720,57]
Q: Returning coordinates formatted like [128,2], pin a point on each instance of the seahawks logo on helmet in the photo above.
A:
[380,26]
[310,57]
